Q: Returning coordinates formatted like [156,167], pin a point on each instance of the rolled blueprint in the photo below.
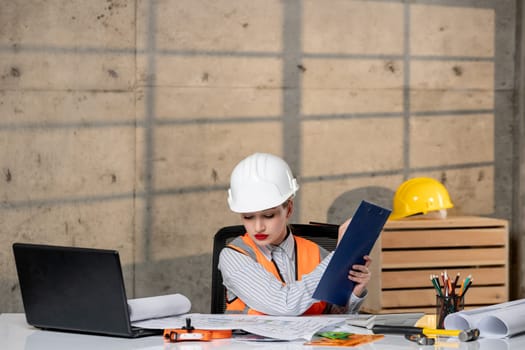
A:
[158,306]
[495,321]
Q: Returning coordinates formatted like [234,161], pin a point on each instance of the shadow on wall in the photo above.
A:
[346,204]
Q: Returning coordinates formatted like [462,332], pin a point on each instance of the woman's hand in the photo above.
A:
[360,275]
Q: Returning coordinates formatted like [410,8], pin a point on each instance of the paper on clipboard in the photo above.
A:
[358,240]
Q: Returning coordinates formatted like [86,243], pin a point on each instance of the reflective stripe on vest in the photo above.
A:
[307,257]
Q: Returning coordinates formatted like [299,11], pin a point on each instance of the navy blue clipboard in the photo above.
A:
[358,240]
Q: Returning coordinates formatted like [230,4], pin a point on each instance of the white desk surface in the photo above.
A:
[16,334]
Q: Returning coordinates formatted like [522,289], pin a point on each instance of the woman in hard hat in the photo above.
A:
[258,269]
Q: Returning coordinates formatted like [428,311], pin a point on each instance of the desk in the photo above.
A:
[16,334]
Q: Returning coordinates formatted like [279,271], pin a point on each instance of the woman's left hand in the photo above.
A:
[360,275]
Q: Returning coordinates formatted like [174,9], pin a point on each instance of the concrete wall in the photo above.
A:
[518,222]
[120,121]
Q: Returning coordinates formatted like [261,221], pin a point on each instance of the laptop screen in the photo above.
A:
[68,288]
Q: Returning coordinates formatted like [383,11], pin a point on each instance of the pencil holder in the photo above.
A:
[446,305]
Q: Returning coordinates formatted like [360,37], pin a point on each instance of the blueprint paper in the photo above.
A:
[358,240]
[277,327]
[495,321]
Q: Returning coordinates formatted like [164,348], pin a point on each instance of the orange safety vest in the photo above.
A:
[307,257]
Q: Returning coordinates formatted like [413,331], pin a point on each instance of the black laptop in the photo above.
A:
[74,289]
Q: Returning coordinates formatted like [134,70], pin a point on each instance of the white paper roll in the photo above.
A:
[158,306]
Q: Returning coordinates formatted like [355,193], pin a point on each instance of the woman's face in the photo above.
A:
[268,226]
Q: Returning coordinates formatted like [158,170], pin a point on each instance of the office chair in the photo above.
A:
[323,234]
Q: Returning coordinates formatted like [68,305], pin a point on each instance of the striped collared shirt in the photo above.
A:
[258,288]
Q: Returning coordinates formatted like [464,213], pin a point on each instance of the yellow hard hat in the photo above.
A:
[419,196]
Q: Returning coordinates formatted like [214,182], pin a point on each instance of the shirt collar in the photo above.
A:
[288,245]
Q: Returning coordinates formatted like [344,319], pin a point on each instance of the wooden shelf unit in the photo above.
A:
[409,251]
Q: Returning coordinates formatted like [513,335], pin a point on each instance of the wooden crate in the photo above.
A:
[409,251]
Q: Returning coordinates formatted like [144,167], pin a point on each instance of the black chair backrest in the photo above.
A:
[323,234]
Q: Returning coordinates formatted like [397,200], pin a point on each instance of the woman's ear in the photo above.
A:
[289,209]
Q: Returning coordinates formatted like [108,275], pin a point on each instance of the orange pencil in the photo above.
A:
[461,288]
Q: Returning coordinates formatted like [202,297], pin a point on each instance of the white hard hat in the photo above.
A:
[260,181]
